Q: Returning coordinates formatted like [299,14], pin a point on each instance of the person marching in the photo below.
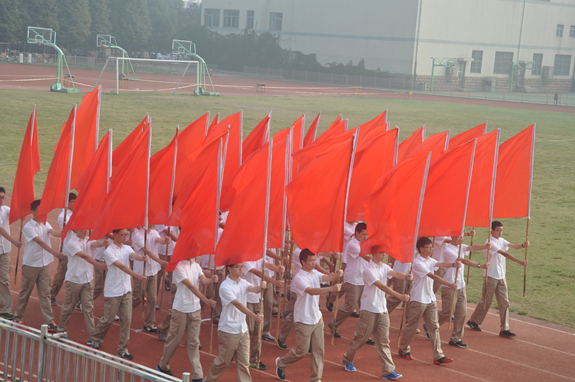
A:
[496,283]
[58,280]
[173,233]
[308,320]
[233,336]
[38,254]
[79,275]
[118,292]
[373,317]
[422,301]
[212,290]
[186,316]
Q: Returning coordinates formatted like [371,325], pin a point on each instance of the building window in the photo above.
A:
[250,20]
[562,65]
[503,61]
[231,18]
[212,18]
[537,62]
[559,32]
[572,31]
[275,21]
[477,56]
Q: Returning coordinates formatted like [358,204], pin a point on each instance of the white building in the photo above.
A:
[479,38]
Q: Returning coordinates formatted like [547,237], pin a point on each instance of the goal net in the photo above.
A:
[125,75]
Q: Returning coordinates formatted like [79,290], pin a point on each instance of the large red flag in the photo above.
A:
[393,209]
[446,193]
[468,135]
[437,144]
[306,155]
[201,213]
[233,151]
[215,121]
[515,176]
[480,205]
[257,138]
[317,198]
[298,133]
[337,127]
[373,159]
[125,147]
[91,198]
[372,126]
[57,184]
[312,132]
[411,143]
[279,180]
[28,166]
[245,234]
[162,178]
[126,202]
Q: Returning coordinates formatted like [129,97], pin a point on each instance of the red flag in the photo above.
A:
[279,180]
[162,179]
[28,166]
[446,193]
[298,133]
[245,233]
[480,204]
[393,209]
[125,147]
[468,135]
[57,184]
[373,158]
[233,154]
[201,214]
[91,198]
[515,176]
[126,201]
[411,143]
[317,198]
[336,128]
[215,121]
[306,155]
[437,144]
[311,133]
[373,126]
[257,138]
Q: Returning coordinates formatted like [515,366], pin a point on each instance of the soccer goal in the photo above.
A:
[161,76]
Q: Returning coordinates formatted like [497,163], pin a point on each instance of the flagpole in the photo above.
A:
[529,210]
[287,173]
[487,254]
[469,267]
[408,287]
[146,216]
[18,255]
[261,310]
[338,261]
[455,291]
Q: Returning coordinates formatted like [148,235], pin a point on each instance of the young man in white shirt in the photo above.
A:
[233,333]
[38,254]
[348,234]
[307,316]
[451,253]
[186,316]
[5,248]
[173,233]
[496,283]
[373,317]
[79,277]
[212,290]
[118,292]
[153,266]
[422,301]
[352,278]
[58,280]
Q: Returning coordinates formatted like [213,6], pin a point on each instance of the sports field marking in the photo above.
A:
[30,79]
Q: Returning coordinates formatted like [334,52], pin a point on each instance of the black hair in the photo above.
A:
[304,254]
[360,227]
[421,242]
[35,204]
[71,196]
[117,231]
[2,190]
[496,224]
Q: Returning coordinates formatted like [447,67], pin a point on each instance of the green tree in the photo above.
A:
[42,13]
[11,20]
[164,19]
[75,23]
[130,23]
[100,14]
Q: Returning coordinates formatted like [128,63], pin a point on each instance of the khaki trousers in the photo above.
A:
[165,325]
[268,305]
[5,296]
[499,289]
[460,311]
[400,286]
[151,297]
[75,293]
[39,276]
[99,279]
[253,327]
[288,318]
[378,324]
[188,324]
[123,307]
[304,334]
[213,292]
[59,277]
[231,345]
[429,314]
[436,284]
[352,298]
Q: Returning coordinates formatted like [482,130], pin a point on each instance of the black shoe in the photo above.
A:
[281,345]
[355,314]
[53,302]
[281,374]
[330,306]
[163,337]
[260,367]
[507,333]
[150,329]
[268,337]
[198,380]
[335,332]
[370,341]
[167,285]
[167,372]
[459,344]
[125,355]
[7,316]
[474,326]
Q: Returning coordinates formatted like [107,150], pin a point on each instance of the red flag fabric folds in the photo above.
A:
[393,209]
[125,147]
[306,155]
[373,126]
[437,144]
[298,133]
[162,167]
[233,157]
[311,133]
[514,176]
[256,139]
[468,135]
[28,166]
[411,143]
[278,203]
[336,128]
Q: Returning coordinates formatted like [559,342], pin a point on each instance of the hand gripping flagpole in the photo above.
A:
[469,267]
[144,286]
[261,310]
[338,261]
[529,210]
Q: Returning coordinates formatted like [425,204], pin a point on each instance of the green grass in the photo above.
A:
[551,272]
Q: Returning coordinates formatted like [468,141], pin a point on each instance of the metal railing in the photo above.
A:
[28,354]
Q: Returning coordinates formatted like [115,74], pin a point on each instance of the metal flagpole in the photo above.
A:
[487,253]
[529,209]
[287,172]
[146,216]
[471,245]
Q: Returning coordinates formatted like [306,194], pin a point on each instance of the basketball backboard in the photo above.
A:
[183,47]
[37,35]
[105,41]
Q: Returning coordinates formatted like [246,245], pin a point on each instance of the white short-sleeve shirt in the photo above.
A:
[5,246]
[398,266]
[34,255]
[79,270]
[497,264]
[152,267]
[353,273]
[184,300]
[162,247]
[450,255]
[306,308]
[438,247]
[422,290]
[98,252]
[118,282]
[373,299]
[70,234]
[231,319]
[252,279]
[205,259]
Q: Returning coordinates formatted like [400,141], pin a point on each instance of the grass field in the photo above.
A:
[551,273]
